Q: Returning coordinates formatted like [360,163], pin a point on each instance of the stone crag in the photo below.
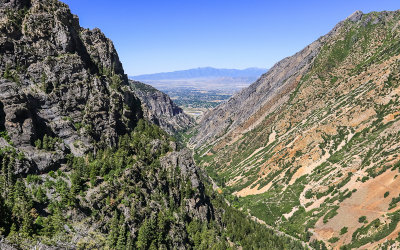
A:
[159,108]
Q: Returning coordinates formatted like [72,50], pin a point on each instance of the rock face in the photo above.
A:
[159,108]
[64,98]
[61,81]
[314,143]
[199,205]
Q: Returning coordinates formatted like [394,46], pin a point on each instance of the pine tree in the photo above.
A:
[121,243]
[188,189]
[13,231]
[10,172]
[93,175]
[144,235]
[113,230]
[129,241]
[38,144]
[40,195]
[132,210]
[4,164]
[27,224]
[57,221]
[45,143]
[3,176]
[20,206]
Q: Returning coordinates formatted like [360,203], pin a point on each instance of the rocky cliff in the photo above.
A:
[65,98]
[82,163]
[159,108]
[312,147]
[61,81]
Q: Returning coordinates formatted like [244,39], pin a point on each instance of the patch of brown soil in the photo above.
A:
[390,117]
[367,201]
[251,191]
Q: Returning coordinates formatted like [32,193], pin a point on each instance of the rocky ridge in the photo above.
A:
[312,146]
[160,109]
[64,94]
[60,80]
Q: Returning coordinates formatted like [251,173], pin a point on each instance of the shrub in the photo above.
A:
[333,240]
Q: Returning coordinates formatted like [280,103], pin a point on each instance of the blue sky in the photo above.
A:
[166,35]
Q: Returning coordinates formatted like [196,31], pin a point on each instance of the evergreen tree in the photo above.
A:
[10,172]
[3,179]
[113,230]
[129,241]
[145,235]
[45,143]
[27,225]
[121,243]
[13,232]
[57,221]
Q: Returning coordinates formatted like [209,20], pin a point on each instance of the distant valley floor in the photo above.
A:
[196,96]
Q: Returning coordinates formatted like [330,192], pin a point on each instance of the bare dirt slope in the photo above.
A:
[333,111]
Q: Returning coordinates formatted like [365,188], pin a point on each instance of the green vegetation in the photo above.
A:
[22,205]
[48,143]
[116,187]
[373,232]
[194,98]
[249,234]
[142,87]
[337,104]
[47,86]
[11,75]
[331,214]
[15,18]
[362,219]
[115,81]
[394,202]
[333,240]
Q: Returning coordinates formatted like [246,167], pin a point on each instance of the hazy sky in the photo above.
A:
[165,35]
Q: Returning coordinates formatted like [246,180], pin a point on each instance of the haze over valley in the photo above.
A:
[197,90]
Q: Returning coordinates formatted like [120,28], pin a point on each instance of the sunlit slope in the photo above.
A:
[314,144]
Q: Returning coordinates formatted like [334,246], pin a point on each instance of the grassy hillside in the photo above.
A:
[330,153]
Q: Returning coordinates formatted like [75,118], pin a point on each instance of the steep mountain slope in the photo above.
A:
[60,80]
[159,108]
[313,146]
[79,166]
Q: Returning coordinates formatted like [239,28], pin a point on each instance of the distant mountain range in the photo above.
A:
[205,72]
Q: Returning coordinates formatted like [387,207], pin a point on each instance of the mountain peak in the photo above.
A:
[356,16]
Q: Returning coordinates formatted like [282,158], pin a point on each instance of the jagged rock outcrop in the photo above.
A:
[198,205]
[60,80]
[187,190]
[160,109]
[77,160]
